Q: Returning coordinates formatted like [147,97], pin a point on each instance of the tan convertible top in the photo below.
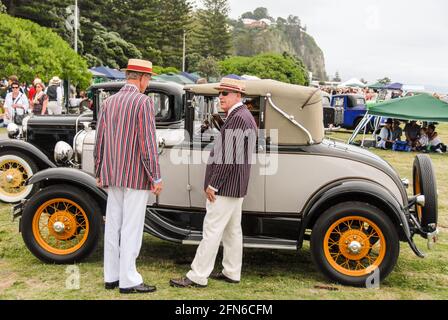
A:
[296,111]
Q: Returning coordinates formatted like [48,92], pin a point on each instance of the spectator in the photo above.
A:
[384,140]
[397,132]
[12,79]
[411,131]
[423,141]
[40,101]
[54,93]
[435,143]
[32,91]
[16,105]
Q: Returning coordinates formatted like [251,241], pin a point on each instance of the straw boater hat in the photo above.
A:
[138,65]
[55,81]
[233,85]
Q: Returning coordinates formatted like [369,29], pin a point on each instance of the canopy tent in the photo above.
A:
[174,78]
[192,76]
[395,86]
[97,74]
[109,73]
[422,107]
[352,83]
[377,85]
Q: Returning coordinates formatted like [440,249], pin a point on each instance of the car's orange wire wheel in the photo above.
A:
[354,246]
[418,190]
[12,178]
[60,226]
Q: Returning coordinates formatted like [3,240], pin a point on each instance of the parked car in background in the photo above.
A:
[333,116]
[354,108]
[32,147]
[350,204]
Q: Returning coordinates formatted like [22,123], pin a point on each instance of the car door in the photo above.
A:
[202,144]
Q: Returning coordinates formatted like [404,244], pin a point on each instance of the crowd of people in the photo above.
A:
[423,138]
[21,99]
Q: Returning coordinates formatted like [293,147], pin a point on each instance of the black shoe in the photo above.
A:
[141,288]
[184,283]
[222,277]
[111,285]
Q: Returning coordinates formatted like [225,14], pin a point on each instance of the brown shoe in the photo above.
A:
[184,283]
[222,277]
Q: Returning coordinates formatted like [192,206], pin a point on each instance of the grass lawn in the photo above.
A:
[266,274]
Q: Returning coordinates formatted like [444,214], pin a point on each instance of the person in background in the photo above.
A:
[32,91]
[16,105]
[385,137]
[423,141]
[40,101]
[54,93]
[411,131]
[397,132]
[435,143]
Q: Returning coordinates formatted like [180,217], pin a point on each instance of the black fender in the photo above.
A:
[74,177]
[357,190]
[29,149]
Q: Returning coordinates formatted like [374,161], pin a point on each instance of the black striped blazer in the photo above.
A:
[228,168]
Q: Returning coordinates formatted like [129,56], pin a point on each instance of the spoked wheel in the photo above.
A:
[352,240]
[424,183]
[15,169]
[61,224]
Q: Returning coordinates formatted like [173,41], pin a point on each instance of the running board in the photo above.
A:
[251,242]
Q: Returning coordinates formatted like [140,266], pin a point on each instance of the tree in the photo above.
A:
[209,67]
[285,67]
[214,38]
[385,81]
[28,49]
[337,77]
[2,7]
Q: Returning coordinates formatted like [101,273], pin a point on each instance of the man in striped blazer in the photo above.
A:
[226,183]
[126,163]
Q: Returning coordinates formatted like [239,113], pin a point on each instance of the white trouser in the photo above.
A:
[54,108]
[222,222]
[125,217]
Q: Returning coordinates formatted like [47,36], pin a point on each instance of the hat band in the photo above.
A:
[139,69]
[229,87]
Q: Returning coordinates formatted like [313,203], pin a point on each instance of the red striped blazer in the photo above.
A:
[228,168]
[126,153]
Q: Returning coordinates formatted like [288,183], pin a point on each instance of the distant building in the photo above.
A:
[262,23]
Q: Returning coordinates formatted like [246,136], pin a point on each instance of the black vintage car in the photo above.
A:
[31,148]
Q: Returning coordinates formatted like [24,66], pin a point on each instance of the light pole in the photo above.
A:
[183,53]
[76,26]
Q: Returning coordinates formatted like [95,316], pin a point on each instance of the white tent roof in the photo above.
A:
[352,83]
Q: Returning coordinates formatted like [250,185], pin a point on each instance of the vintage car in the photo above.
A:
[333,115]
[349,203]
[354,108]
[31,148]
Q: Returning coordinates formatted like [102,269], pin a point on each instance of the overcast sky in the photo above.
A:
[404,40]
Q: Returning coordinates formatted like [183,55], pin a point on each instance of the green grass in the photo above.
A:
[267,274]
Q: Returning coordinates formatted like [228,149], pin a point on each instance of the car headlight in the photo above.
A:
[25,123]
[63,152]
[13,130]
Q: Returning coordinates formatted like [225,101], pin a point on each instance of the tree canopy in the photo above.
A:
[27,50]
[285,68]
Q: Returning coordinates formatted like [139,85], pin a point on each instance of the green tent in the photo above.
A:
[422,107]
[377,85]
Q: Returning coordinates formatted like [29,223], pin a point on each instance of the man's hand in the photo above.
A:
[157,188]
[98,182]
[211,196]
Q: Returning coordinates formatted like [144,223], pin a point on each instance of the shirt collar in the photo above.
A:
[131,87]
[234,107]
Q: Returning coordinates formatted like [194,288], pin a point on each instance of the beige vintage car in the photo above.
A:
[349,203]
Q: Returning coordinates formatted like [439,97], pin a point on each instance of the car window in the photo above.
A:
[206,113]
[339,102]
[161,106]
[360,101]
